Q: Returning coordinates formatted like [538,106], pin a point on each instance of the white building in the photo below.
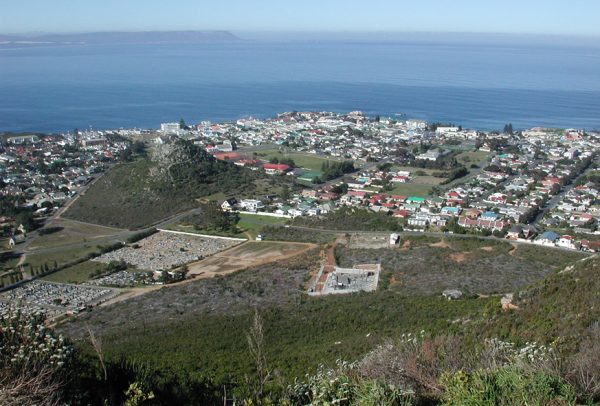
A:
[251,204]
[169,128]
[446,130]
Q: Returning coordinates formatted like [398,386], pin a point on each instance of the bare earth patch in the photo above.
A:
[459,257]
[246,255]
[441,244]
[405,245]
[488,248]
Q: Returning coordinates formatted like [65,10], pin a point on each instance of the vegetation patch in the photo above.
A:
[350,219]
[428,266]
[196,326]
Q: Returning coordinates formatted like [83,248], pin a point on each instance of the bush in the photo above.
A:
[141,235]
[506,386]
[33,361]
[50,230]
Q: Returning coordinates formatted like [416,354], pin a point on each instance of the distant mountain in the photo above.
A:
[147,37]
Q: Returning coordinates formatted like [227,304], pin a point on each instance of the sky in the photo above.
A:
[559,17]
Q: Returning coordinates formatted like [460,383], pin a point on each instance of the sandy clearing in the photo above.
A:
[459,257]
[441,244]
[245,255]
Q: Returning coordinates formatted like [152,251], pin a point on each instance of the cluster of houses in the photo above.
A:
[308,203]
[505,197]
[578,208]
[41,172]
[510,190]
[348,136]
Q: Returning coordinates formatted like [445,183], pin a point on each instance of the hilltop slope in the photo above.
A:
[140,193]
[561,308]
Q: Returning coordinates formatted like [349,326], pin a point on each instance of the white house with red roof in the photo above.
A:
[276,169]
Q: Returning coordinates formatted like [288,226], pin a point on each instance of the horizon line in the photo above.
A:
[320,31]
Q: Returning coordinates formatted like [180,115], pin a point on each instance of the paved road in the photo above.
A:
[556,199]
[430,234]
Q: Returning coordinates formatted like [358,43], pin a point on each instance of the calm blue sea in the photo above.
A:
[476,85]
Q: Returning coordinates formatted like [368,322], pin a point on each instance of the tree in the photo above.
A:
[213,217]
[25,218]
[285,192]
[182,124]
[138,148]
[255,339]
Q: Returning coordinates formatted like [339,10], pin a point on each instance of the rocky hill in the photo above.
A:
[169,181]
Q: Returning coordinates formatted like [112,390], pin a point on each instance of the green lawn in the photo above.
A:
[248,224]
[76,274]
[411,189]
[253,223]
[306,161]
[188,228]
[413,169]
[472,157]
[427,180]
[61,256]
[72,232]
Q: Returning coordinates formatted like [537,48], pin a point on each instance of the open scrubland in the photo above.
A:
[430,265]
[199,325]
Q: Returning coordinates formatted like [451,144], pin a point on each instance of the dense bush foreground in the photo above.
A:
[547,352]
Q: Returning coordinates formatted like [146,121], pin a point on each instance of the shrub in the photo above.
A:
[33,361]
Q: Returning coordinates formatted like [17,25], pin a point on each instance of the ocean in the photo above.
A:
[476,85]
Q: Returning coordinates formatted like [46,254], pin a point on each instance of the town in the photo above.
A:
[537,186]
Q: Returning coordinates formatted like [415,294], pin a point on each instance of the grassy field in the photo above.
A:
[472,157]
[411,189]
[427,180]
[76,274]
[72,232]
[61,256]
[413,169]
[249,225]
[307,161]
[252,223]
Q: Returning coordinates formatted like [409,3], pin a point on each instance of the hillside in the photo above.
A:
[193,330]
[140,193]
[143,37]
[562,308]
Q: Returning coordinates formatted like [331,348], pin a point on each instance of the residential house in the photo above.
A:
[548,238]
